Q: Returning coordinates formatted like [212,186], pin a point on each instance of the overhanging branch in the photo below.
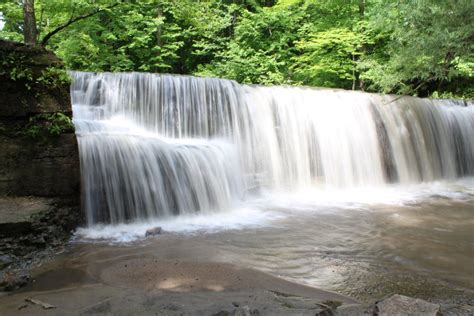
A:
[46,38]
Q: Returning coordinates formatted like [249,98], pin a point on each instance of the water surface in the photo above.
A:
[367,243]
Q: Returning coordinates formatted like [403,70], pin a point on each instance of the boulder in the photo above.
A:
[239,311]
[354,310]
[153,231]
[13,279]
[404,305]
[5,261]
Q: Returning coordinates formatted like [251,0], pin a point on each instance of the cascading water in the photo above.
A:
[158,145]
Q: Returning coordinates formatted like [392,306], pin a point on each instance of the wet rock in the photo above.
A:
[170,307]
[325,312]
[12,280]
[40,303]
[14,229]
[245,311]
[153,231]
[39,241]
[100,308]
[404,305]
[455,310]
[240,311]
[49,222]
[354,310]
[306,306]
[5,261]
[35,172]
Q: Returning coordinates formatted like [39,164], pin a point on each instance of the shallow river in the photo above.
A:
[366,243]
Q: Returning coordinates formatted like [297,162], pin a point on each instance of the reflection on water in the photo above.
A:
[347,250]
[420,241]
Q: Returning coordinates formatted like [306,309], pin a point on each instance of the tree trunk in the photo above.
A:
[361,8]
[30,32]
[363,48]
[159,14]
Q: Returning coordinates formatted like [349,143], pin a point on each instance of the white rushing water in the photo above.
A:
[155,146]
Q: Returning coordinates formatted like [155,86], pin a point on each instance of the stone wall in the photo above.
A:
[39,161]
[43,165]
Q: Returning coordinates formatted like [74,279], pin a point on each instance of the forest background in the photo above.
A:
[418,47]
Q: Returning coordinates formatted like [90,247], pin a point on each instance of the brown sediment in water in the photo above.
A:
[119,279]
[188,276]
[181,273]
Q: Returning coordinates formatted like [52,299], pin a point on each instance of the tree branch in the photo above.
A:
[71,21]
[421,84]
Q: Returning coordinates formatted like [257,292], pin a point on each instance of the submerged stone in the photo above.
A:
[5,261]
[404,305]
[354,310]
[153,231]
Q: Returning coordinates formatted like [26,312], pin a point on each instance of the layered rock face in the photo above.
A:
[39,160]
[41,164]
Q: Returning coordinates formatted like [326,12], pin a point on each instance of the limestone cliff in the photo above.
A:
[33,162]
[39,160]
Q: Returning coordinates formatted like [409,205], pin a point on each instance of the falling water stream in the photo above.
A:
[290,180]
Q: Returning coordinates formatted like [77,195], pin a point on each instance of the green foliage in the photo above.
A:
[17,68]
[59,123]
[328,58]
[422,47]
[43,125]
[138,36]
[261,48]
[12,14]
[14,66]
[21,73]
[53,77]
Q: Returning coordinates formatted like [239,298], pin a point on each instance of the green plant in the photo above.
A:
[14,66]
[31,130]
[59,123]
[53,124]
[53,77]
[17,69]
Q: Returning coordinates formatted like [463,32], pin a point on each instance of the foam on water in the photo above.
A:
[239,218]
[270,208]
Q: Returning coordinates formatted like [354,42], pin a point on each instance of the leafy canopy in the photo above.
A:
[422,47]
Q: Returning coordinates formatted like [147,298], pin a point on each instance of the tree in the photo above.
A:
[421,47]
[327,58]
[29,27]
[261,47]
[30,32]
[72,20]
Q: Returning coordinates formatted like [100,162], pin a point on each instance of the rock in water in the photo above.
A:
[354,310]
[153,231]
[404,305]
[38,302]
[5,261]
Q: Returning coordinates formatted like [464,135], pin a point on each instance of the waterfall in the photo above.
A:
[156,145]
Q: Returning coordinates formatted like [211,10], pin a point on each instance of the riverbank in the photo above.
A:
[185,288]
[39,161]
[176,279]
[32,231]
[173,275]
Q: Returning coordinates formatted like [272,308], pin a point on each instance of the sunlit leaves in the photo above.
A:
[328,58]
[422,47]
[427,46]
